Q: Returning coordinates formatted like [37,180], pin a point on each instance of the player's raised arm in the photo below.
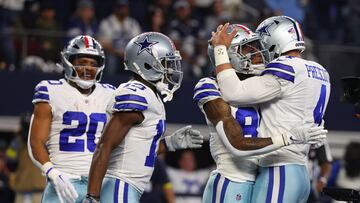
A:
[254,90]
[113,135]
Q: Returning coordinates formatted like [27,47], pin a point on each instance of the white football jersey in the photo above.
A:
[77,123]
[234,168]
[133,160]
[305,91]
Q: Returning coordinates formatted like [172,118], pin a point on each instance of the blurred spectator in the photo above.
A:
[46,43]
[9,10]
[217,16]
[6,194]
[156,21]
[184,31]
[319,166]
[353,22]
[83,22]
[188,183]
[114,33]
[26,181]
[349,175]
[159,189]
[165,6]
[291,8]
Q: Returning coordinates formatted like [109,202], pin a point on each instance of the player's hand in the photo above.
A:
[305,135]
[63,187]
[184,138]
[222,37]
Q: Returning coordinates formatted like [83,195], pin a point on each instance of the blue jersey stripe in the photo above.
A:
[116,191]
[130,97]
[282,185]
[41,88]
[282,75]
[130,106]
[216,181]
[223,190]
[41,96]
[280,66]
[126,192]
[205,86]
[270,185]
[202,95]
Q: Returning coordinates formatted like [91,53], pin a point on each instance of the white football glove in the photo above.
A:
[305,135]
[184,138]
[63,187]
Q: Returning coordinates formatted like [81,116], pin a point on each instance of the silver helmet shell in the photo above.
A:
[154,57]
[242,63]
[247,41]
[281,34]
[82,45]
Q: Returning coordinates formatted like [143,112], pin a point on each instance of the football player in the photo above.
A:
[291,92]
[124,159]
[69,116]
[235,174]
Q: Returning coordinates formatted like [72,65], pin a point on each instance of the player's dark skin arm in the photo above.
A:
[218,110]
[113,135]
[39,132]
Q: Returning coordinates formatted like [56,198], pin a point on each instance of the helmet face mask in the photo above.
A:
[153,57]
[83,48]
[246,52]
[281,34]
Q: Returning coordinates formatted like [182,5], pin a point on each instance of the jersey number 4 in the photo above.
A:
[85,125]
[318,112]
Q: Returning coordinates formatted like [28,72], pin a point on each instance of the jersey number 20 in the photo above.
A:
[85,125]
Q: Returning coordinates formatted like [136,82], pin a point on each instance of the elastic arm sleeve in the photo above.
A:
[254,90]
[243,153]
[37,164]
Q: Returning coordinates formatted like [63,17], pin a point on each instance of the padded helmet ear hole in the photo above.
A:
[272,48]
[73,73]
[147,66]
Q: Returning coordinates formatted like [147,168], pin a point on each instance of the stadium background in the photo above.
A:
[32,33]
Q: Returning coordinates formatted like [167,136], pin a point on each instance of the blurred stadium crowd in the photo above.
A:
[33,32]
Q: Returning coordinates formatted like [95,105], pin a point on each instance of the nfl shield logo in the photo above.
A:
[238,197]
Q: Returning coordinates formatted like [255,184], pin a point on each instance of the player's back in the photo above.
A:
[77,123]
[234,168]
[305,91]
[133,160]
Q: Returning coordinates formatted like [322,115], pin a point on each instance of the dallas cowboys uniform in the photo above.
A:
[77,123]
[301,100]
[233,179]
[132,162]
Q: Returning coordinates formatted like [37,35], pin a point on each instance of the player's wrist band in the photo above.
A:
[47,167]
[90,196]
[220,54]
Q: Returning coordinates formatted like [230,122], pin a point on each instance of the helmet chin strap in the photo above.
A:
[84,84]
[164,90]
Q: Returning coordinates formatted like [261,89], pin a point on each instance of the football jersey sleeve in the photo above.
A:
[41,93]
[206,90]
[129,100]
[280,69]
